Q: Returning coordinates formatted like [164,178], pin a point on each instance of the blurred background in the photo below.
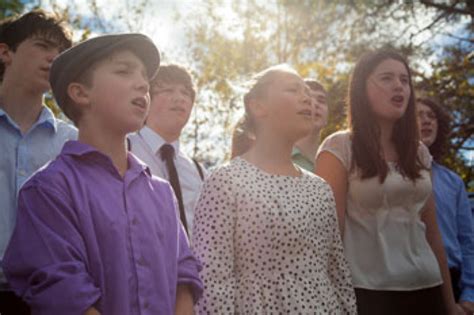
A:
[223,43]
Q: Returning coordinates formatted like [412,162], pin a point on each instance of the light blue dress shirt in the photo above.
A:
[456,224]
[20,156]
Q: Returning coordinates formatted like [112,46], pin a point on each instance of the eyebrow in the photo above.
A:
[47,41]
[125,63]
[392,73]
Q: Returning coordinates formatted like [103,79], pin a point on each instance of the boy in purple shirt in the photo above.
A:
[96,233]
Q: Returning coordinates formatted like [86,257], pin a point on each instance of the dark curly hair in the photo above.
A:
[440,146]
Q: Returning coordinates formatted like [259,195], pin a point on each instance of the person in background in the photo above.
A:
[265,229]
[157,143]
[30,135]
[304,151]
[452,204]
[96,233]
[379,172]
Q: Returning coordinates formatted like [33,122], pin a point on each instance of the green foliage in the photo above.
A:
[452,83]
[321,39]
[10,7]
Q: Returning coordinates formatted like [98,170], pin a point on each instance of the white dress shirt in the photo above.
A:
[146,143]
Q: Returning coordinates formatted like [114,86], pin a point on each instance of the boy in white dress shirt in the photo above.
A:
[172,98]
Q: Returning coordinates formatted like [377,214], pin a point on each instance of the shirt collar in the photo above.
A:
[295,151]
[46,118]
[79,149]
[155,141]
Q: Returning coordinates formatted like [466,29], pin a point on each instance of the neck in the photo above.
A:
[309,145]
[168,135]
[388,147]
[112,145]
[272,154]
[386,130]
[21,105]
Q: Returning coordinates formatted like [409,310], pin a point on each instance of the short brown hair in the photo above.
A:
[174,74]
[315,85]
[36,23]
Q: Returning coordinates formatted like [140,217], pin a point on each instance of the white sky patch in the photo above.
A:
[157,19]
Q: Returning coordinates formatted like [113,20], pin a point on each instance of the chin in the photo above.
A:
[134,126]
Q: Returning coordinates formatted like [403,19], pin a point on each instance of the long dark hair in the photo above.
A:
[439,147]
[366,148]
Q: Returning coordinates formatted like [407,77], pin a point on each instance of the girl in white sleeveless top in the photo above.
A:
[380,175]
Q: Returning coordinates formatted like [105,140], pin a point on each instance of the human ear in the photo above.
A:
[5,53]
[258,107]
[78,93]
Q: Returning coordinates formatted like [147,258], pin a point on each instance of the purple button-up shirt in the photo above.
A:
[85,236]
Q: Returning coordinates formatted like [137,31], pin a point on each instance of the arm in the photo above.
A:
[184,300]
[330,168]
[188,271]
[46,259]
[434,239]
[213,244]
[338,267]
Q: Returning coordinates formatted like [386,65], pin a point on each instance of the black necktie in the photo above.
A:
[167,155]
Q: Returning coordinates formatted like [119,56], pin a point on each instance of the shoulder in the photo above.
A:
[339,140]
[447,175]
[53,176]
[424,155]
[160,186]
[67,130]
[315,180]
[228,173]
[342,136]
[185,158]
[338,144]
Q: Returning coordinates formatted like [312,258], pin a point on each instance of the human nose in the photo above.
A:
[142,83]
[424,119]
[307,100]
[52,53]
[399,84]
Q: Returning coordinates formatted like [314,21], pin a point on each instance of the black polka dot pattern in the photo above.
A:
[270,244]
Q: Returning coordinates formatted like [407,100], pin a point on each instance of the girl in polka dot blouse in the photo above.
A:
[265,230]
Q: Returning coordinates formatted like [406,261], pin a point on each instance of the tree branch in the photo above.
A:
[449,9]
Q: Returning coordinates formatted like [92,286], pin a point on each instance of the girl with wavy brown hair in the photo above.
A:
[379,173]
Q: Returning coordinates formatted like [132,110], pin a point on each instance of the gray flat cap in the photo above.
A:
[70,64]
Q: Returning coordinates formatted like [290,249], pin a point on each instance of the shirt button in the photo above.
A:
[146,305]
[141,261]
[134,221]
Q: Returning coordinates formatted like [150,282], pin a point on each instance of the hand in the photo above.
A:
[467,307]
[92,311]
[184,300]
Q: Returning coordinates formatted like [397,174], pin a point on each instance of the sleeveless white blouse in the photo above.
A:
[384,237]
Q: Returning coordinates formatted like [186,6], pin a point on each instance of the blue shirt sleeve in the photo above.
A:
[466,240]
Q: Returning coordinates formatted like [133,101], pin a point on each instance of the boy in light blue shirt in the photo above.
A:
[30,135]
